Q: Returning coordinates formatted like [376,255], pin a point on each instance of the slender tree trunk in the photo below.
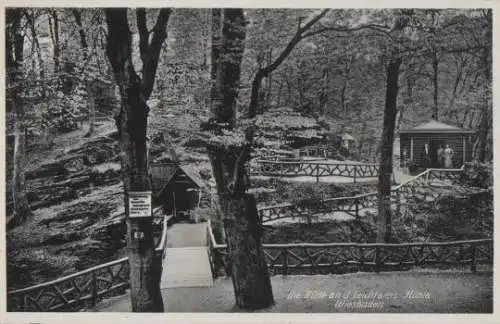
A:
[91,105]
[215,57]
[15,79]
[269,81]
[347,70]
[280,89]
[482,146]
[131,121]
[89,83]
[324,96]
[54,32]
[385,170]
[435,69]
[31,22]
[81,32]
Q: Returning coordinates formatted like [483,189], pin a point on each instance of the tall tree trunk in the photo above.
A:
[216,27]
[30,17]
[15,78]
[248,268]
[54,32]
[384,217]
[435,70]
[347,70]
[81,32]
[385,170]
[269,81]
[131,122]
[89,83]
[482,146]
[324,94]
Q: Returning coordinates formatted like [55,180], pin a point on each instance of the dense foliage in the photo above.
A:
[444,71]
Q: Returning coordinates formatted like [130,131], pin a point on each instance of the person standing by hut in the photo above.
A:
[448,157]
[440,157]
[426,156]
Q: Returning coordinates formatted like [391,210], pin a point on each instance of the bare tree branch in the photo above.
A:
[159,34]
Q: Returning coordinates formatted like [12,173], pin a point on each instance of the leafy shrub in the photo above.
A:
[63,112]
[478,175]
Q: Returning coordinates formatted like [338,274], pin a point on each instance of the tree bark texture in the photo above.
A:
[249,273]
[216,29]
[435,70]
[248,266]
[54,32]
[385,169]
[483,146]
[131,122]
[15,78]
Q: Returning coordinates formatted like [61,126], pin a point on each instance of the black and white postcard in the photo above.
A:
[312,161]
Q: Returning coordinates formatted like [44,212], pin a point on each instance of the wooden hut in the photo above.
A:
[346,141]
[434,134]
[175,187]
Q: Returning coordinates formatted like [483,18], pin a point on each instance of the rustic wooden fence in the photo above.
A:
[324,152]
[307,258]
[82,290]
[312,258]
[418,187]
[324,258]
[313,169]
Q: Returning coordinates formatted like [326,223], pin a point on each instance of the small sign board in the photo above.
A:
[139,204]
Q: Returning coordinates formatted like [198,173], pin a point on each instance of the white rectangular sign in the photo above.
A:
[139,204]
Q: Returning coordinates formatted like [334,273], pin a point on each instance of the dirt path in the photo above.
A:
[396,292]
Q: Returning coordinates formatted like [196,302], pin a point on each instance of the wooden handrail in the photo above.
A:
[366,245]
[212,237]
[369,194]
[68,277]
[378,261]
[161,246]
[163,242]
[316,163]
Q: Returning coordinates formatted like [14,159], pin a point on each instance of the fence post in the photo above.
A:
[377,259]
[355,169]
[398,202]
[285,262]
[317,173]
[361,259]
[473,261]
[94,289]
[356,201]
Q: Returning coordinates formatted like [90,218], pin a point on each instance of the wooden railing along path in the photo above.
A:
[416,187]
[83,290]
[324,152]
[311,258]
[313,169]
[323,258]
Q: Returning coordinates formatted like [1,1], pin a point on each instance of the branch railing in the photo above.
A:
[421,187]
[318,152]
[324,258]
[83,290]
[313,169]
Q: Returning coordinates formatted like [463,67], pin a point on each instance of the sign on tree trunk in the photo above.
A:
[139,204]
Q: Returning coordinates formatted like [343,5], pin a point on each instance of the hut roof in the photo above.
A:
[347,137]
[163,173]
[435,126]
[192,174]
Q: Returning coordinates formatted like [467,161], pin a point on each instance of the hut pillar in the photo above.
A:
[464,150]
[411,148]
